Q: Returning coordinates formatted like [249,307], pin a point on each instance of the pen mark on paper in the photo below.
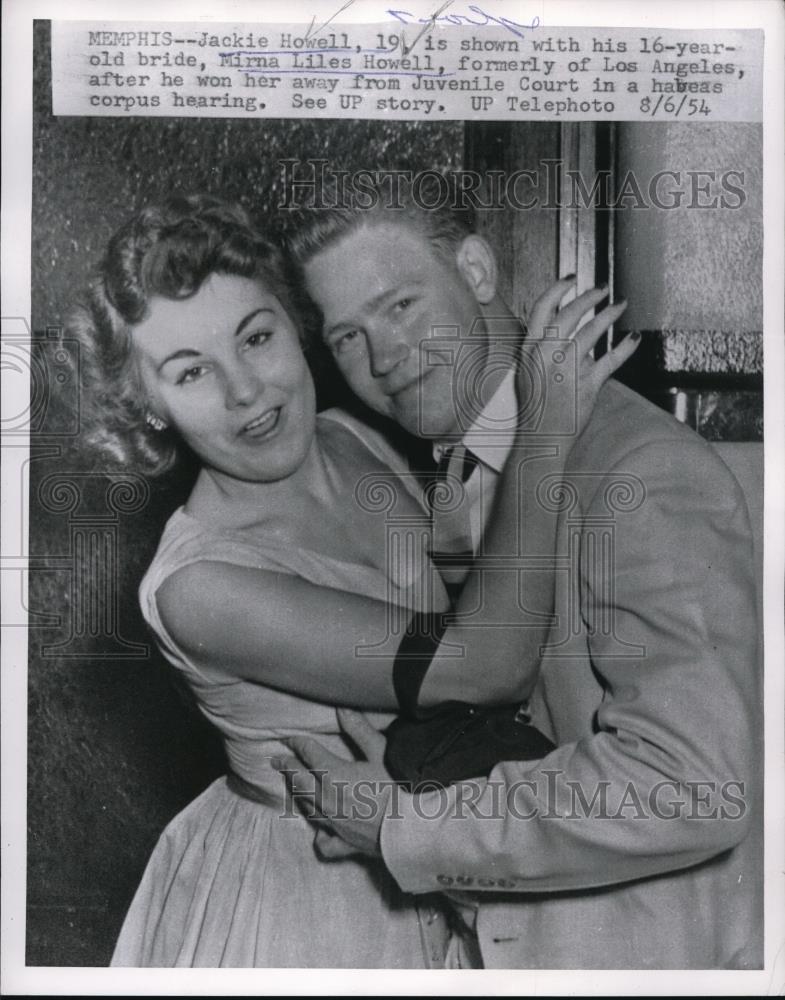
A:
[406,17]
[429,26]
[312,34]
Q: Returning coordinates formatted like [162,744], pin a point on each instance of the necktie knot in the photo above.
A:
[456,461]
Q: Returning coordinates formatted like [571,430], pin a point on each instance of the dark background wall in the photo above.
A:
[115,751]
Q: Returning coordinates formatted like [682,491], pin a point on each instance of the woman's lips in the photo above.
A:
[263,425]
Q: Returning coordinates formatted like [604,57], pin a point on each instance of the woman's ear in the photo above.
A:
[477,263]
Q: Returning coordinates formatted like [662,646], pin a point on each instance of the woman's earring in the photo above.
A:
[155,422]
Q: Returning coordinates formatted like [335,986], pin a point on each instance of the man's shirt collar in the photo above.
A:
[491,435]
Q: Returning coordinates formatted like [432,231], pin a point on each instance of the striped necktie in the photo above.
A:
[451,531]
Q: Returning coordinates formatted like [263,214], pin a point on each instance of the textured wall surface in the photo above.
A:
[693,273]
[695,268]
[114,749]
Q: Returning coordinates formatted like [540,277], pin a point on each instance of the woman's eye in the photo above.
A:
[190,375]
[402,305]
[258,337]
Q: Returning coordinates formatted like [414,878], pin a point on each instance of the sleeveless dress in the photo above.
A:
[234,882]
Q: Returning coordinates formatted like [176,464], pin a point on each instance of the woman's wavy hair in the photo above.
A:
[167,250]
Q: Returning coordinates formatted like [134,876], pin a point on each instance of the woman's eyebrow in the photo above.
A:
[185,352]
[189,352]
[247,319]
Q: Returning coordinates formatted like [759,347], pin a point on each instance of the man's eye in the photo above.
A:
[402,305]
[345,341]
[190,375]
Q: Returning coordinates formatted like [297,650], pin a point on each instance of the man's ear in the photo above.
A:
[477,263]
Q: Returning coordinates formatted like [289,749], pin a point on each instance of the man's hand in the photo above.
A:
[345,799]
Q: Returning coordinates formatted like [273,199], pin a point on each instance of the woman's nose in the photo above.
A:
[242,386]
[387,349]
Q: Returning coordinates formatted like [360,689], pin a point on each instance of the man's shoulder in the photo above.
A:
[628,433]
[624,422]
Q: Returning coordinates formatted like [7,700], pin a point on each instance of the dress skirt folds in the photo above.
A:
[234,883]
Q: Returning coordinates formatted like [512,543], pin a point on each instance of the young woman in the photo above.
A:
[264,585]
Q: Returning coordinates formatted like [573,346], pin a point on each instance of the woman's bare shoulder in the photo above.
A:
[381,446]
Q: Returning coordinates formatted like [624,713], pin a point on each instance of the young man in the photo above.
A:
[628,846]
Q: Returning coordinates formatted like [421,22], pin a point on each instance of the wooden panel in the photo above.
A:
[577,226]
[525,239]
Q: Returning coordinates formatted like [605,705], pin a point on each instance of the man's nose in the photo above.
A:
[387,349]
[242,385]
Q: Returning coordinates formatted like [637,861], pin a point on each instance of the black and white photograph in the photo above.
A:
[393,498]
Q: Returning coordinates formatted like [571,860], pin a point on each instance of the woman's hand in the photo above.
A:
[558,379]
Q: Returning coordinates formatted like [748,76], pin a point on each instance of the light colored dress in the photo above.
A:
[234,882]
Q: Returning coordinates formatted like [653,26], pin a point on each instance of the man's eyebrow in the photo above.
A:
[377,301]
[189,352]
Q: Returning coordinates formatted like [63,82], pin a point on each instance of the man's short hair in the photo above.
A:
[431,203]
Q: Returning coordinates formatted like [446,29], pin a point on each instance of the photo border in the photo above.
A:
[16,279]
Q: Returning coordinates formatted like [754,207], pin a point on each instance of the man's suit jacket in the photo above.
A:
[636,842]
